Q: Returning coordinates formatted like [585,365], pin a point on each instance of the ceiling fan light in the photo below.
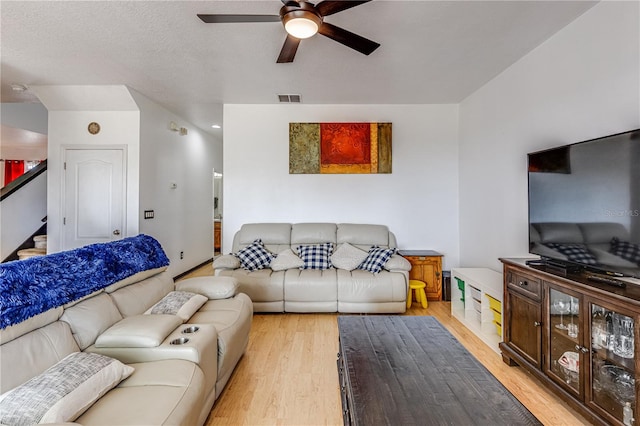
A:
[301,27]
[301,23]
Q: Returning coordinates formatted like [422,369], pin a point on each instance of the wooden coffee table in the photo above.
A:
[409,370]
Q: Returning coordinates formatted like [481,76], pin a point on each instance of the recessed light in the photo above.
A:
[215,126]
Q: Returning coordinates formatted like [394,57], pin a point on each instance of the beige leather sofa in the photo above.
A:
[171,383]
[310,290]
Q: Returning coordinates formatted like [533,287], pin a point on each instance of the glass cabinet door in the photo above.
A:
[565,337]
[613,374]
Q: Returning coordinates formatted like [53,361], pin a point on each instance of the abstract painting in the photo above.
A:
[331,148]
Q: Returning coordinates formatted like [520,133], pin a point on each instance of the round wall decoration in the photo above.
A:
[93,128]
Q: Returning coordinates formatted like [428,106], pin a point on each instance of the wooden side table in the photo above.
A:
[426,265]
[217,236]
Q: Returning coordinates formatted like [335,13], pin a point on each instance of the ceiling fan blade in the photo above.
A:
[349,39]
[287,3]
[289,49]
[329,7]
[225,19]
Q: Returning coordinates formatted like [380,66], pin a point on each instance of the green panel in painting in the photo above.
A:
[384,147]
[304,148]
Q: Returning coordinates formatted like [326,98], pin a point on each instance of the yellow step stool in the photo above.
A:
[421,295]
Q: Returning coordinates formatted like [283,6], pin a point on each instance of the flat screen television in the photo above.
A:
[584,204]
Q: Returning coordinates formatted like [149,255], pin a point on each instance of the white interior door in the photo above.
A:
[94,196]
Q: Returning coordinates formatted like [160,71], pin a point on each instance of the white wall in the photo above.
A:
[28,116]
[580,84]
[156,157]
[184,215]
[68,129]
[418,201]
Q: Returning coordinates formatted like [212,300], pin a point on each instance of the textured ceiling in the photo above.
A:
[432,51]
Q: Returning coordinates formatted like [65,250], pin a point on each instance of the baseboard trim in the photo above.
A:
[177,277]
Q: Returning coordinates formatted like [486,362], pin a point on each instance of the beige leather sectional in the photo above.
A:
[311,290]
[171,384]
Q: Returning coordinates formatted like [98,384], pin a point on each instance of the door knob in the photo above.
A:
[116,232]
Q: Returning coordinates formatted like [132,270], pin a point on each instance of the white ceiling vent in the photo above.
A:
[289,99]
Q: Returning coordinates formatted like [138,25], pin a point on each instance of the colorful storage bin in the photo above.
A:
[460,287]
[494,303]
[477,305]
[497,316]
[475,293]
[498,328]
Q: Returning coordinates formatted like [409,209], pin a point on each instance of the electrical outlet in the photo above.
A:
[181,255]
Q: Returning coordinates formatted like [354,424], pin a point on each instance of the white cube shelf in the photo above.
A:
[479,282]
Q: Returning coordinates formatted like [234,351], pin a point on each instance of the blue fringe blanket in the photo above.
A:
[34,285]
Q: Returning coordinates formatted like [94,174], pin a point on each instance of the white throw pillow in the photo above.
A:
[64,391]
[182,304]
[286,260]
[348,257]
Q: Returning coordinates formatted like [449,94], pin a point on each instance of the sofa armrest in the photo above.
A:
[397,263]
[226,261]
[138,331]
[212,287]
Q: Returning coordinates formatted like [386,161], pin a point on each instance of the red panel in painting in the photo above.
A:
[345,143]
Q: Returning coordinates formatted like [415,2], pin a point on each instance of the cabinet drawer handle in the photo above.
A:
[537,323]
[523,283]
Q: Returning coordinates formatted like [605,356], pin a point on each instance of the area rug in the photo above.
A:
[410,370]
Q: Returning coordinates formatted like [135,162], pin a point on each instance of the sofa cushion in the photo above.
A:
[313,233]
[286,260]
[136,298]
[626,250]
[64,391]
[183,304]
[363,235]
[574,252]
[348,257]
[138,331]
[212,288]
[315,256]
[376,259]
[254,256]
[166,392]
[34,352]
[91,317]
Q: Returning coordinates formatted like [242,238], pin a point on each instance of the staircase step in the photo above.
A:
[31,252]
[40,241]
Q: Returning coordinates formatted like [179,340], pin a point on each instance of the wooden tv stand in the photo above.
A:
[549,319]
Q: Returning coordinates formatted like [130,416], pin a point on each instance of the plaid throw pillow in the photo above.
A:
[254,256]
[315,256]
[376,259]
[626,250]
[574,252]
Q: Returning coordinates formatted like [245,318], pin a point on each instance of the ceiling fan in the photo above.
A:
[303,19]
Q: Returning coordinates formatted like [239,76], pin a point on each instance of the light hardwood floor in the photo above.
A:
[288,374]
